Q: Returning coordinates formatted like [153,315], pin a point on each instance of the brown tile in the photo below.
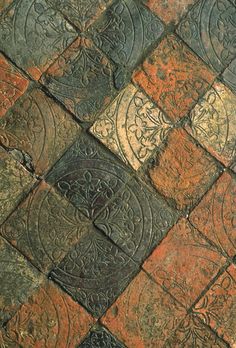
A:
[18,280]
[170,10]
[49,319]
[213,123]
[217,307]
[192,333]
[6,342]
[183,171]
[12,84]
[44,227]
[184,263]
[174,77]
[4,4]
[132,126]
[143,315]
[38,128]
[15,182]
[215,216]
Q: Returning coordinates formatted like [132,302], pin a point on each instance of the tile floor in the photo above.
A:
[117,173]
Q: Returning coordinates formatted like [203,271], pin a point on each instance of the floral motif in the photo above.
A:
[99,337]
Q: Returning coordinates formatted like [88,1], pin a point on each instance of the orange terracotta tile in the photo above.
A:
[12,85]
[143,315]
[183,171]
[50,319]
[217,308]
[174,77]
[215,216]
[184,263]
[170,10]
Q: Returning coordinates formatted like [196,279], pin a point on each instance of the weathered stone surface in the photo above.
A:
[33,34]
[99,337]
[40,129]
[229,75]
[132,127]
[95,272]
[78,73]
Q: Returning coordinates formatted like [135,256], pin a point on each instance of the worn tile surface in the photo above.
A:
[117,173]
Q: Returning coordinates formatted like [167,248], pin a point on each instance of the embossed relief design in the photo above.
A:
[99,337]
[217,308]
[83,12]
[45,227]
[215,216]
[125,31]
[213,123]
[18,280]
[88,176]
[33,34]
[15,182]
[229,75]
[210,29]
[143,316]
[95,272]
[12,85]
[136,220]
[40,128]
[50,319]
[76,75]
[4,4]
[132,127]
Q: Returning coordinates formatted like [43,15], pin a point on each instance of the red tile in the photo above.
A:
[184,263]
[174,77]
[183,171]
[217,308]
[144,315]
[215,216]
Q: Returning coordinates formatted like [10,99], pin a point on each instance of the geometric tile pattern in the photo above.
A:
[117,173]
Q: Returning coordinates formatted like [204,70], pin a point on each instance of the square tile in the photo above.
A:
[209,29]
[83,12]
[213,123]
[184,263]
[38,129]
[229,76]
[101,338]
[217,307]
[18,280]
[95,272]
[215,216]
[88,175]
[136,220]
[170,11]
[124,33]
[49,319]
[33,34]
[174,77]
[12,85]
[183,171]
[78,72]
[132,127]
[144,314]
[44,227]
[15,183]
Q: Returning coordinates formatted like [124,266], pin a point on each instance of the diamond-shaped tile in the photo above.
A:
[44,227]
[125,32]
[136,220]
[132,126]
[49,319]
[33,34]
[99,337]
[78,73]
[40,128]
[88,175]
[174,77]
[209,29]
[213,123]
[12,85]
[95,272]
[15,182]
[229,75]
[18,280]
